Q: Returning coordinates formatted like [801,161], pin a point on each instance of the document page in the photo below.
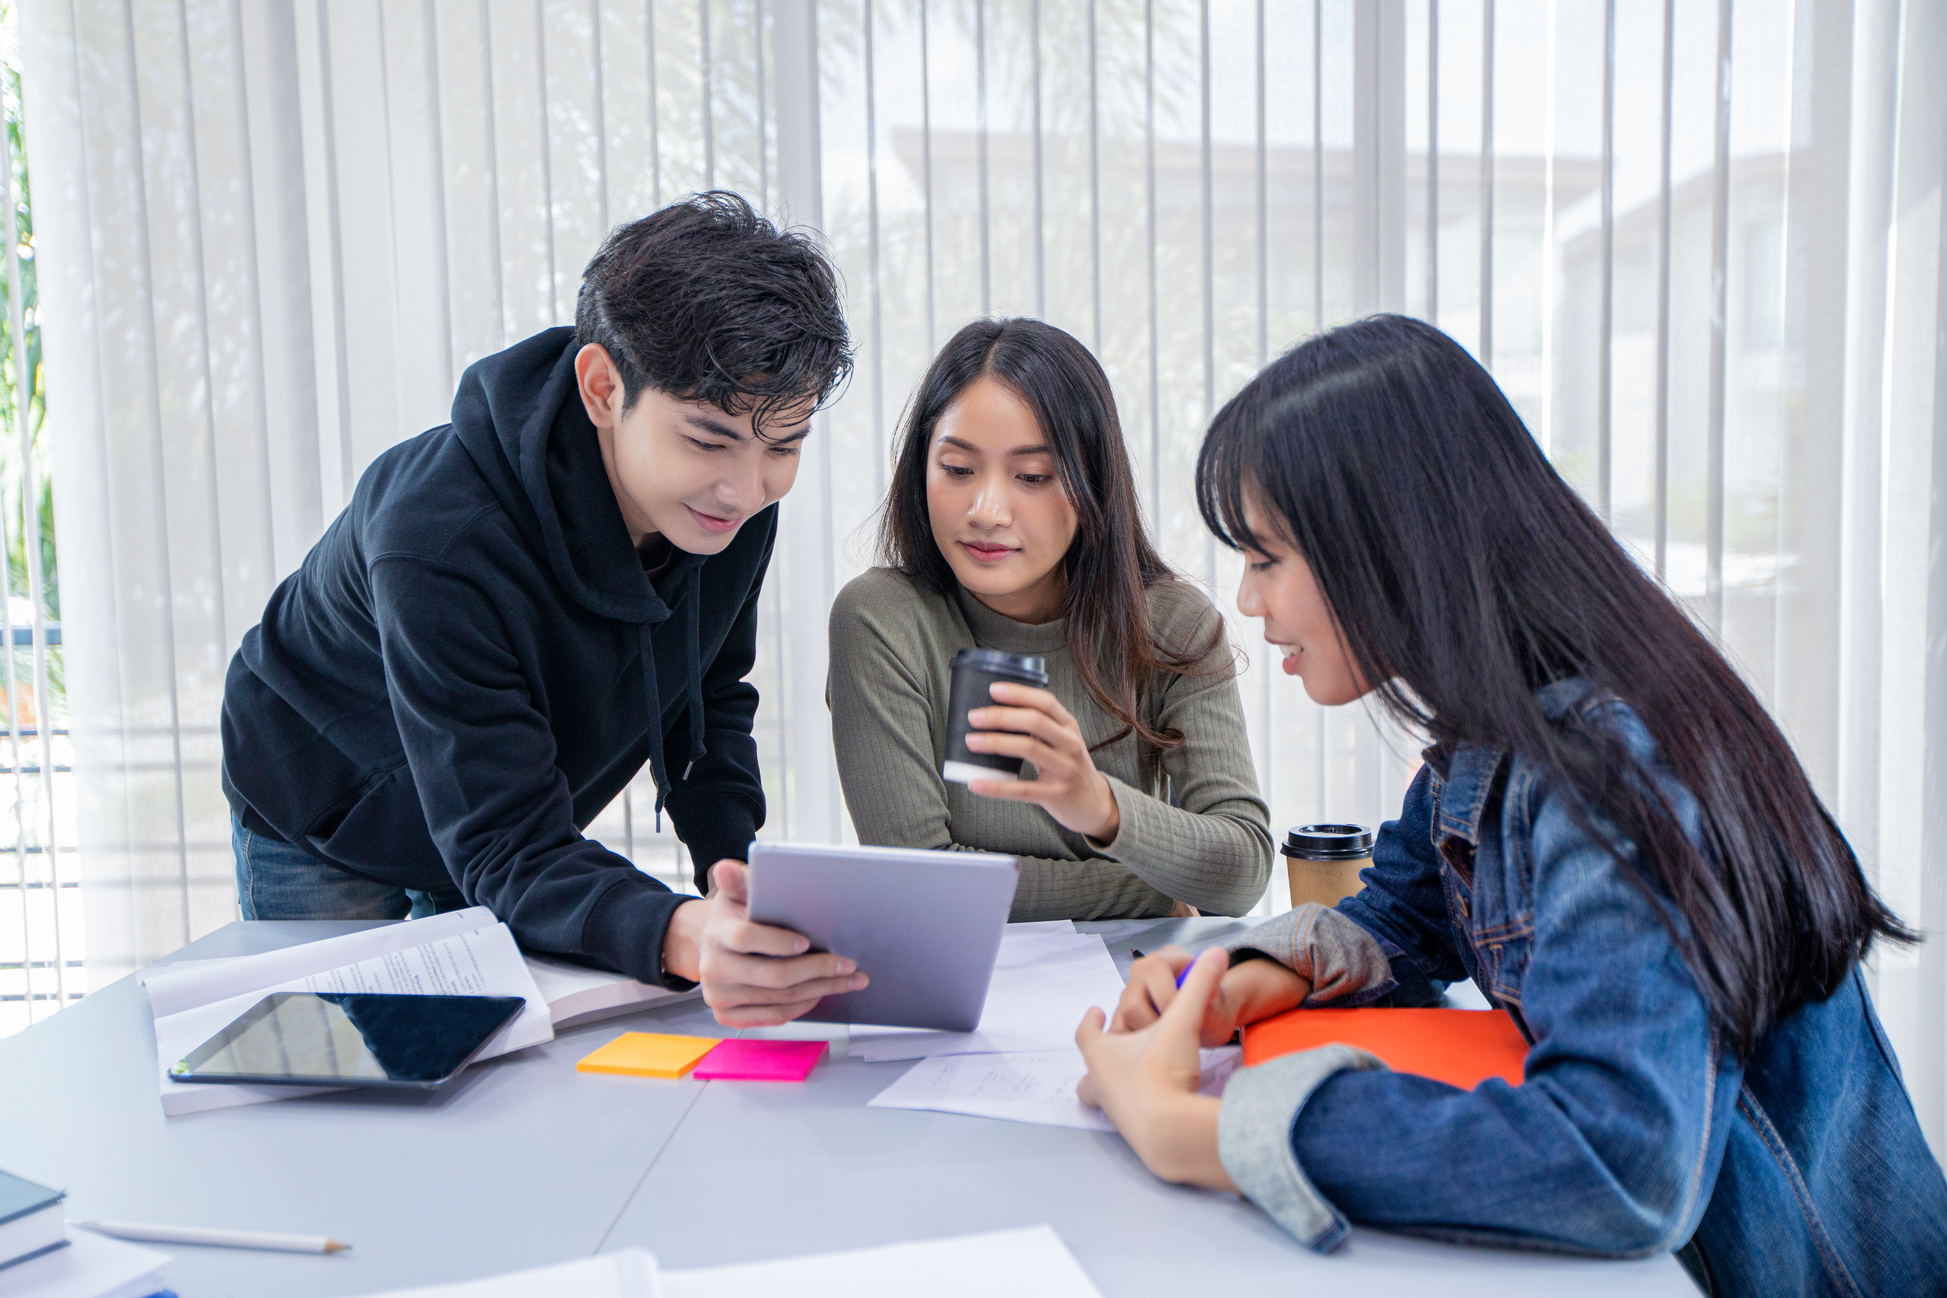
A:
[1037,1088]
[199,982]
[479,962]
[1044,981]
[625,1273]
[1026,1263]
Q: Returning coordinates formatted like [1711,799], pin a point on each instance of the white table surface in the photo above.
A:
[523,1161]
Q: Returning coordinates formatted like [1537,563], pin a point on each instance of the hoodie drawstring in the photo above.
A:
[658,761]
[693,599]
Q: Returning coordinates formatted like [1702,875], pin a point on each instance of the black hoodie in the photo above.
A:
[471,664]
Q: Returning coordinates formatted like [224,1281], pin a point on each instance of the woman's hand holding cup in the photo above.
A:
[1033,725]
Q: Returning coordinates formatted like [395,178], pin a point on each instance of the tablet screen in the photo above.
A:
[349,1039]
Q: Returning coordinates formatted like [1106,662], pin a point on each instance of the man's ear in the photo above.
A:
[600,384]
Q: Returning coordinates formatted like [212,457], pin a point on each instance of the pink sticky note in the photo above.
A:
[761,1061]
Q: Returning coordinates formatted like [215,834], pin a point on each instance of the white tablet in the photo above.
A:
[924,926]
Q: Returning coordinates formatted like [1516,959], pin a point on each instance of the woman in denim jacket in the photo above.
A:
[1609,836]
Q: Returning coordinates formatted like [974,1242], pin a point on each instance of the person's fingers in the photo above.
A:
[763,1016]
[1089,1030]
[1187,1011]
[1132,1011]
[732,880]
[1088,1036]
[1219,1016]
[1019,790]
[747,938]
[1029,696]
[1006,743]
[1152,986]
[729,995]
[776,972]
[1021,721]
[1013,790]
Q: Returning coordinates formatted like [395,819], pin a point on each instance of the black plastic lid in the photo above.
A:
[1328,842]
[1024,667]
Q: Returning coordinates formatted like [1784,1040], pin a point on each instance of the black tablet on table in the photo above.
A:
[349,1039]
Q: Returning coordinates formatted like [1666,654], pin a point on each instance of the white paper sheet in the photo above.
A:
[480,960]
[626,1273]
[575,993]
[91,1266]
[181,986]
[1037,1087]
[1044,981]
[1031,1262]
[1028,1263]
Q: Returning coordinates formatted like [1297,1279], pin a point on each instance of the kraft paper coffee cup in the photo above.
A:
[1323,862]
[974,671]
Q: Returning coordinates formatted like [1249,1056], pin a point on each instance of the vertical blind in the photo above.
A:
[1699,244]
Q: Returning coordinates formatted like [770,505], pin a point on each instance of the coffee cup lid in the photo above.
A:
[1328,842]
[1025,666]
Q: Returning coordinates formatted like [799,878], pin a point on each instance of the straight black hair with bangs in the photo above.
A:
[1465,574]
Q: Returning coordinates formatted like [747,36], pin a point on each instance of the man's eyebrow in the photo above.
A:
[798,436]
[715,426]
[948,439]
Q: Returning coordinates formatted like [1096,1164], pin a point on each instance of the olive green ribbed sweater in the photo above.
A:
[892,645]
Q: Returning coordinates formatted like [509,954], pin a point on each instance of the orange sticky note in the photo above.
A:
[648,1054]
[1460,1047]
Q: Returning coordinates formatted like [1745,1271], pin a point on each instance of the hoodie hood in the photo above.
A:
[519,415]
[521,420]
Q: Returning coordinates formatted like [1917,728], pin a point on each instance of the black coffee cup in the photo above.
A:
[974,671]
[1329,843]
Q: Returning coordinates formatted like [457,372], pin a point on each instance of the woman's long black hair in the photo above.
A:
[1110,564]
[1465,574]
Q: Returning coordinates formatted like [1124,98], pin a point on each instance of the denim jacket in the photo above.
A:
[1801,1170]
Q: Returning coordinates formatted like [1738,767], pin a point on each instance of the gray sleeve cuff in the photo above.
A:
[1260,1108]
[1346,964]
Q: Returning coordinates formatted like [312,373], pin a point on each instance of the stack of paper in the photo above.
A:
[1045,978]
[1037,1088]
[30,1219]
[577,994]
[462,953]
[1026,1263]
[91,1266]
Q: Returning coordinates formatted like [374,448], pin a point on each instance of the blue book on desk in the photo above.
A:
[31,1222]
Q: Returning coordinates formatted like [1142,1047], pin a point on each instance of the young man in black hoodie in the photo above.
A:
[519,609]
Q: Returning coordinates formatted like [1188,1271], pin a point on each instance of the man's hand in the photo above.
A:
[1254,990]
[1147,1083]
[753,975]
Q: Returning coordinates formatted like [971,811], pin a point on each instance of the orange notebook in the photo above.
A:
[1460,1047]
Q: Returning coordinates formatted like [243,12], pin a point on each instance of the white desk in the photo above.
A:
[524,1161]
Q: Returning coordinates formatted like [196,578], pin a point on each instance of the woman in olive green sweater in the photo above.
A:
[1012,524]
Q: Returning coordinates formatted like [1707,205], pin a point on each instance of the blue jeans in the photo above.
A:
[279,880]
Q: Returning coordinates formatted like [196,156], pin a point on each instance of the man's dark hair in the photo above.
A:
[708,301]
